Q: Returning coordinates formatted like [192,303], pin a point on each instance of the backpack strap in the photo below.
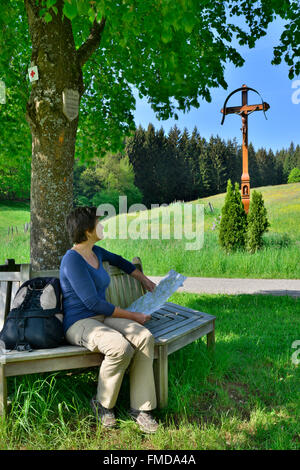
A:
[21,344]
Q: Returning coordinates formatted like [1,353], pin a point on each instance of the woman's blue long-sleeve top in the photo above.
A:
[83,286]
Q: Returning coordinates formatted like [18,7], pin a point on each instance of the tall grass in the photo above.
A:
[279,257]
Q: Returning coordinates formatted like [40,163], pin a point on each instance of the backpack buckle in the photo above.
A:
[24,347]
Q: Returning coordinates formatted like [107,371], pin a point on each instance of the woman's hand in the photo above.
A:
[135,316]
[148,284]
[141,318]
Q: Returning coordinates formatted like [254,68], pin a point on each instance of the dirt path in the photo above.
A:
[214,285]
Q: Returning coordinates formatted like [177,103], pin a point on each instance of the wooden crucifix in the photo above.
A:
[244,112]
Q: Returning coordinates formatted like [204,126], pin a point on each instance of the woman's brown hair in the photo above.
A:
[79,220]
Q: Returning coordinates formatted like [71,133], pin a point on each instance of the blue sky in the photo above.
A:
[271,81]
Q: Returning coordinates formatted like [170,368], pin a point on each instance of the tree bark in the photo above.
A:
[53,135]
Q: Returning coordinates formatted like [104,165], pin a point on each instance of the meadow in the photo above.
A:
[278,259]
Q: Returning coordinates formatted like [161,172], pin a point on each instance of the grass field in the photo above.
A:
[279,258]
[246,396]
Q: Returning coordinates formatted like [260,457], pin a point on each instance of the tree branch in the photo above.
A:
[92,43]
[31,4]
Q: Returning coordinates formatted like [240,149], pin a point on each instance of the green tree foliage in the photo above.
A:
[294,176]
[270,170]
[157,174]
[196,145]
[291,159]
[207,172]
[107,196]
[175,157]
[219,155]
[105,181]
[262,165]
[15,140]
[171,52]
[233,225]
[161,169]
[184,164]
[257,222]
[234,168]
[179,166]
[255,175]
[117,175]
[15,177]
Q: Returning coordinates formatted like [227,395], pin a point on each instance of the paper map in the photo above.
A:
[152,301]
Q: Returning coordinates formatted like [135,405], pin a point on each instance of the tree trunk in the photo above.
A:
[53,135]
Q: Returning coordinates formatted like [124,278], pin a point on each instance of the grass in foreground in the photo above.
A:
[246,396]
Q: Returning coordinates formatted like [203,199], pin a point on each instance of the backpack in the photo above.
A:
[35,320]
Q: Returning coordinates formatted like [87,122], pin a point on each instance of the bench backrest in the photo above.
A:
[122,290]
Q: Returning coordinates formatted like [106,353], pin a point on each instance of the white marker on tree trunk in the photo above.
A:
[70,103]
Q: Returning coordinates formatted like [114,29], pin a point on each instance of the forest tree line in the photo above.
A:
[157,168]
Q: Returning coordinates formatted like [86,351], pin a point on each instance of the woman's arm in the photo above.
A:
[116,260]
[147,283]
[127,267]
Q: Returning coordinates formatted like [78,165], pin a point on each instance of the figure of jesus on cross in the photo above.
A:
[244,112]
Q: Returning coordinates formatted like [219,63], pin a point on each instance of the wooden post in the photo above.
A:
[245,179]
[3,391]
[161,376]
[244,110]
[11,266]
[210,339]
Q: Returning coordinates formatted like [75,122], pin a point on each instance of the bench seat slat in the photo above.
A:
[175,310]
[178,333]
[187,310]
[53,364]
[159,324]
[170,310]
[174,329]
[174,316]
[62,351]
[10,276]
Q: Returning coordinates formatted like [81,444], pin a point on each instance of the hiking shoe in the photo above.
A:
[104,415]
[145,420]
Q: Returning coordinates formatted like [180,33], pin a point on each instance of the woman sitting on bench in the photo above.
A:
[91,321]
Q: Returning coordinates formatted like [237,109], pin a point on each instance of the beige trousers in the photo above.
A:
[125,344]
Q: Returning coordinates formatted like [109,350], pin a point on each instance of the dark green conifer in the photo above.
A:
[233,223]
[257,222]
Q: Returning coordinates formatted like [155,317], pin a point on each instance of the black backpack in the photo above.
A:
[35,320]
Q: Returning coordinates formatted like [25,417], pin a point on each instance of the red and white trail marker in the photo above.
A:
[33,73]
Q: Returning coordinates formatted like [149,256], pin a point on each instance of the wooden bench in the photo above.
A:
[173,327]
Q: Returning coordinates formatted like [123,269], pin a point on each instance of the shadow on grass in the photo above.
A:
[251,367]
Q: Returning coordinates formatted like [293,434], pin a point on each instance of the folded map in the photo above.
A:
[152,301]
